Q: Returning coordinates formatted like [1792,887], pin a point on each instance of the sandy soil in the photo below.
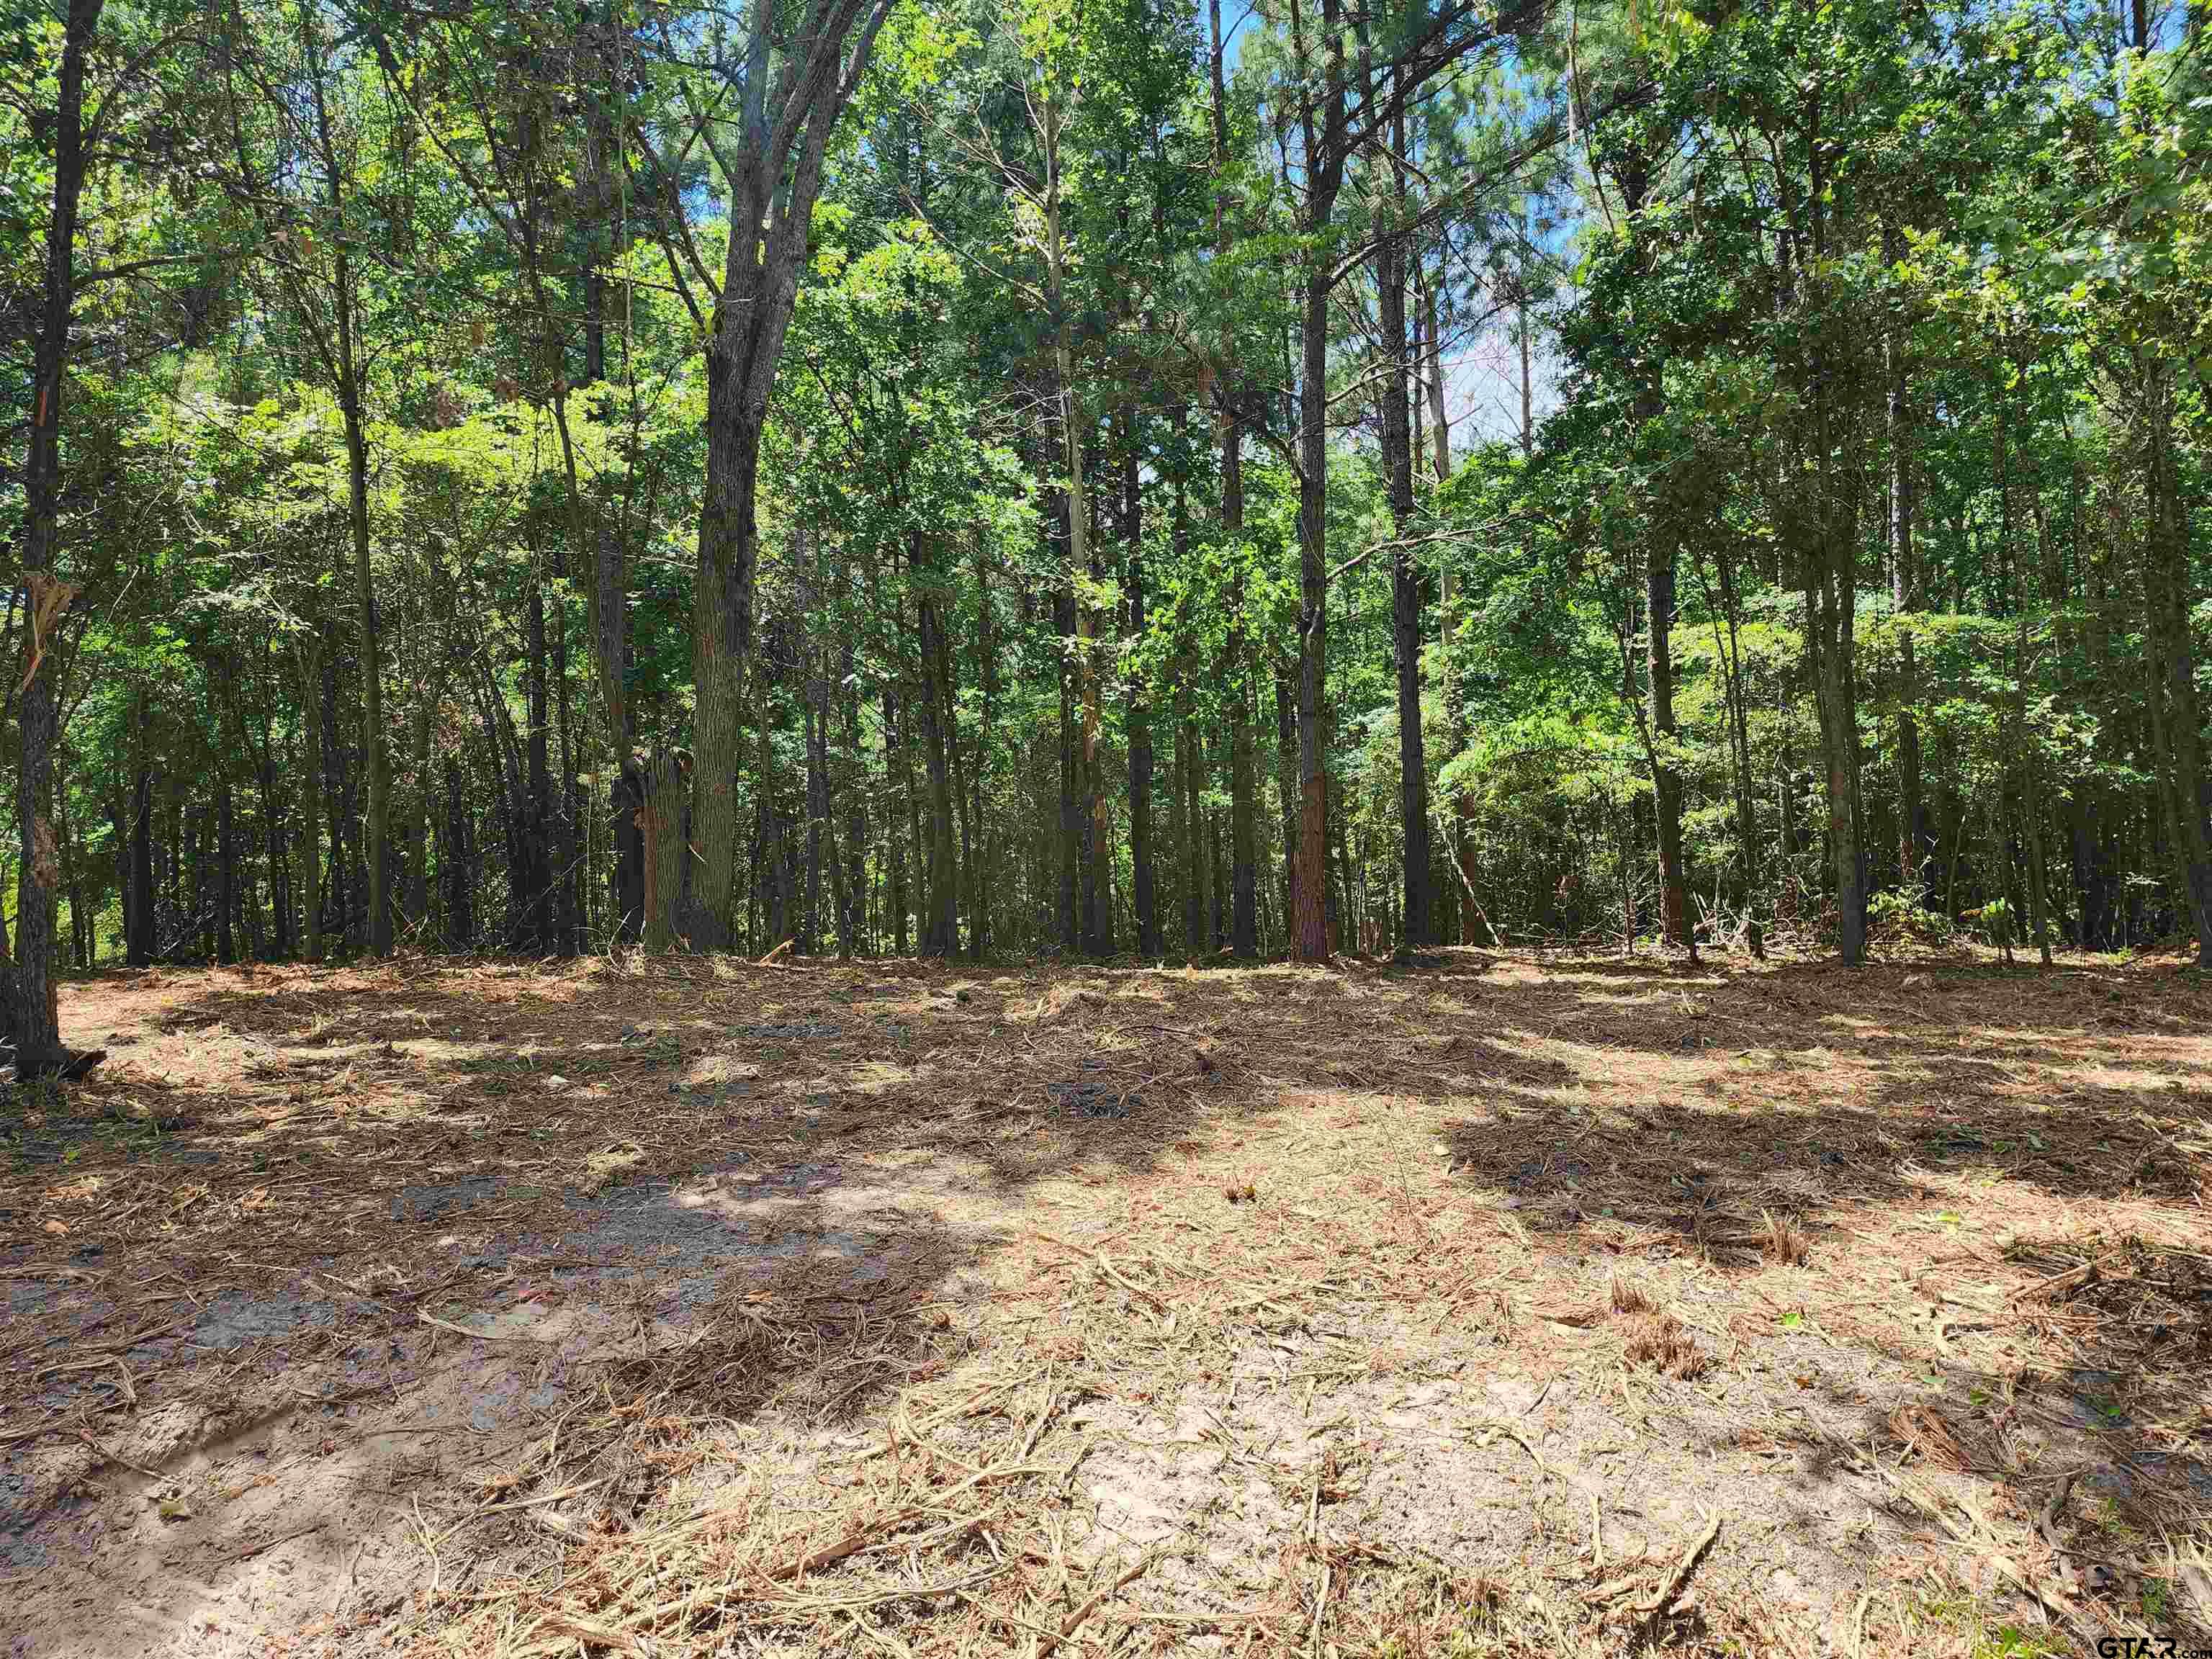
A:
[1500,1303]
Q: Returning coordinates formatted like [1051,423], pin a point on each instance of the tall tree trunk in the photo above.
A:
[567,885]
[421,807]
[2167,565]
[856,815]
[1666,773]
[1828,555]
[1913,849]
[816,716]
[898,769]
[1286,796]
[1396,392]
[1633,172]
[34,1012]
[986,652]
[272,836]
[353,411]
[940,934]
[1071,816]
[226,869]
[119,818]
[1828,602]
[774,174]
[1142,898]
[538,812]
[1237,667]
[1322,127]
[311,830]
[1197,856]
[721,637]
[1309,941]
[140,941]
[73,869]
[1462,825]
[1439,418]
[460,890]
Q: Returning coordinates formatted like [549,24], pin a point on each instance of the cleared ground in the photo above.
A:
[1497,1303]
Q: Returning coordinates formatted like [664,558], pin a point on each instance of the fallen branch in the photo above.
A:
[1045,1645]
[1654,1612]
[432,1319]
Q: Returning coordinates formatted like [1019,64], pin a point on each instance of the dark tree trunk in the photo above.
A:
[895,825]
[1197,855]
[139,925]
[1214,858]
[722,623]
[1310,939]
[33,1013]
[1912,825]
[1405,573]
[2167,581]
[568,884]
[338,788]
[272,839]
[1243,783]
[1660,554]
[1666,774]
[460,887]
[1286,791]
[1071,814]
[1143,899]
[817,801]
[119,829]
[940,933]
[226,886]
[541,926]
[986,652]
[856,816]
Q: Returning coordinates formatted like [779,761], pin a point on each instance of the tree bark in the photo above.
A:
[1416,927]
[986,652]
[226,869]
[311,830]
[1309,941]
[568,884]
[1913,849]
[941,924]
[140,937]
[1236,667]
[353,410]
[460,890]
[1322,127]
[34,1012]
[542,931]
[898,769]
[1142,897]
[2166,563]
[856,815]
[786,121]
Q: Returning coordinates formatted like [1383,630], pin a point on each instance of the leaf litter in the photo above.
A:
[1273,1311]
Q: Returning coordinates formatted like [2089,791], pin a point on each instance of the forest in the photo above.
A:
[1699,475]
[1282,827]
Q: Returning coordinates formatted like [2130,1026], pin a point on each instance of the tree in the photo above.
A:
[35,1018]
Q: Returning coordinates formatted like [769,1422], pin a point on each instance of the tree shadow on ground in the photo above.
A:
[725,1158]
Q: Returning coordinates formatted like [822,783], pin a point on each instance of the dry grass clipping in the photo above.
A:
[1627,1299]
[1785,1242]
[1661,1341]
[1922,1429]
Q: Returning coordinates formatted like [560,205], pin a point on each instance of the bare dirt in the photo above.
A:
[1501,1303]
